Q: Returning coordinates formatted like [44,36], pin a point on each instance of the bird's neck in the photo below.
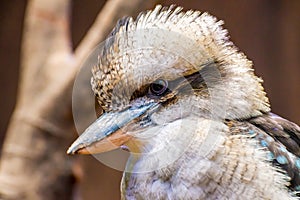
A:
[176,147]
[173,142]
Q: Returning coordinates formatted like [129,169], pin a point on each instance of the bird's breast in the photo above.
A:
[213,164]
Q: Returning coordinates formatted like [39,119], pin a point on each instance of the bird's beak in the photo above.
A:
[108,132]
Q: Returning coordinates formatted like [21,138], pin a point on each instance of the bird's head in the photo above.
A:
[167,66]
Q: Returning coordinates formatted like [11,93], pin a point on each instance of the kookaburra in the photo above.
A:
[187,105]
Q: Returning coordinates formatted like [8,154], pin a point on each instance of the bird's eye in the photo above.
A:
[159,87]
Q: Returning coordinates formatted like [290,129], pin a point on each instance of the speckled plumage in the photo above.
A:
[214,99]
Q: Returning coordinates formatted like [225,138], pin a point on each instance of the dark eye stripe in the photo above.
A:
[163,89]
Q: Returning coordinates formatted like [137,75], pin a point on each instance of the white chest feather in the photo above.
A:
[208,163]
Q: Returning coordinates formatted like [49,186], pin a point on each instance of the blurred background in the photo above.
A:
[267,31]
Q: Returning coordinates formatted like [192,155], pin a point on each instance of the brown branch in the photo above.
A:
[32,148]
[34,164]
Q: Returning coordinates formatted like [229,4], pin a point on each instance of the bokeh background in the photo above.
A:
[267,31]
